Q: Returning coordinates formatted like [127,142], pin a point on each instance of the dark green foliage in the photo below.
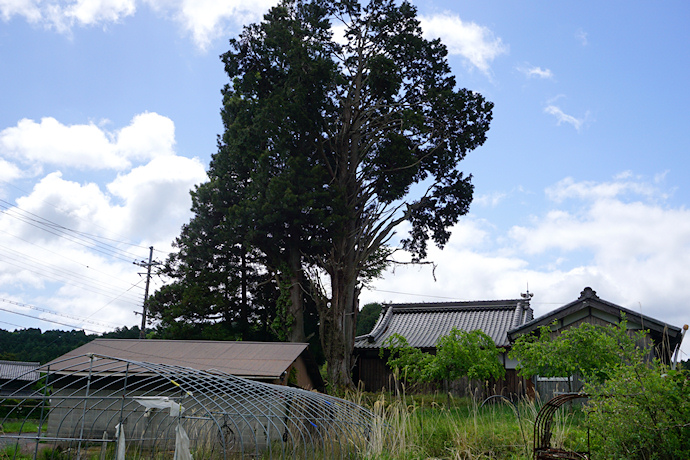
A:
[323,141]
[366,318]
[32,345]
[122,333]
[459,354]
[638,408]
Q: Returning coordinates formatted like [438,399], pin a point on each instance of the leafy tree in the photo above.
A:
[412,363]
[588,350]
[641,410]
[326,137]
[459,354]
[366,318]
[470,354]
[35,346]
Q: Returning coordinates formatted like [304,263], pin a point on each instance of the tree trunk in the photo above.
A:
[338,319]
[296,308]
[338,331]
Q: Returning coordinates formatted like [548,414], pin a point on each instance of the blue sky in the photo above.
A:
[110,112]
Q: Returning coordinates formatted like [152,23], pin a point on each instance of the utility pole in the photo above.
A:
[148,265]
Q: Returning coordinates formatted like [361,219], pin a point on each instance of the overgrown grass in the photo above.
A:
[16,426]
[426,426]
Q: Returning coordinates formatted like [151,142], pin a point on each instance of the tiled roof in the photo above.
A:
[589,299]
[262,360]
[423,323]
[18,370]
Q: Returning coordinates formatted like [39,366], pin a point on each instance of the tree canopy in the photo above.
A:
[589,350]
[341,122]
[471,354]
[35,346]
[366,318]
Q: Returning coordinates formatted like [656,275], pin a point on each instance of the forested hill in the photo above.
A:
[36,346]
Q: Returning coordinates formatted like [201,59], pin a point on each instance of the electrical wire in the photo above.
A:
[49,321]
[38,266]
[92,242]
[57,254]
[71,282]
[51,312]
[77,217]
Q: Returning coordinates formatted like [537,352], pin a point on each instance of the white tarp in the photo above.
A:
[181,439]
[161,402]
[120,436]
[181,444]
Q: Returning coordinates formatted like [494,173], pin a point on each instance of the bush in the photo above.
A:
[641,412]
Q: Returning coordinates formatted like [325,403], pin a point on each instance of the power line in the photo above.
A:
[92,242]
[415,295]
[77,217]
[81,264]
[107,291]
[58,270]
[113,300]
[49,321]
[45,310]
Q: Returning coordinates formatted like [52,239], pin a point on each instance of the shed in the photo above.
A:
[14,374]
[423,323]
[281,363]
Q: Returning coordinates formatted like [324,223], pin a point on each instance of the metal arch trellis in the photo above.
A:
[95,405]
[542,430]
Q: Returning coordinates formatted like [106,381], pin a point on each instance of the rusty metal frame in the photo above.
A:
[542,431]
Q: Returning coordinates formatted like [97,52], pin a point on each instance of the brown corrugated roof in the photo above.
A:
[263,360]
[423,323]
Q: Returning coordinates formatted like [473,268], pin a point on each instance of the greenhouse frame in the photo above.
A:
[96,406]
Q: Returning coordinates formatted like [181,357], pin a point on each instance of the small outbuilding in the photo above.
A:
[280,363]
[14,375]
[423,323]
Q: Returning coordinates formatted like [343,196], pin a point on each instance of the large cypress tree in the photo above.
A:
[341,123]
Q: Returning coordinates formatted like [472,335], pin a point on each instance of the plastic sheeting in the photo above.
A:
[181,444]
[120,439]
[161,402]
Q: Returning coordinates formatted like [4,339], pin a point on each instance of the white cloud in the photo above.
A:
[491,200]
[538,72]
[477,44]
[63,15]
[89,12]
[145,205]
[581,36]
[620,237]
[87,146]
[563,117]
[28,9]
[156,196]
[9,171]
[204,20]
[569,188]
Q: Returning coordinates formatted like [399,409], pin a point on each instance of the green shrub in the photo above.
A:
[641,412]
